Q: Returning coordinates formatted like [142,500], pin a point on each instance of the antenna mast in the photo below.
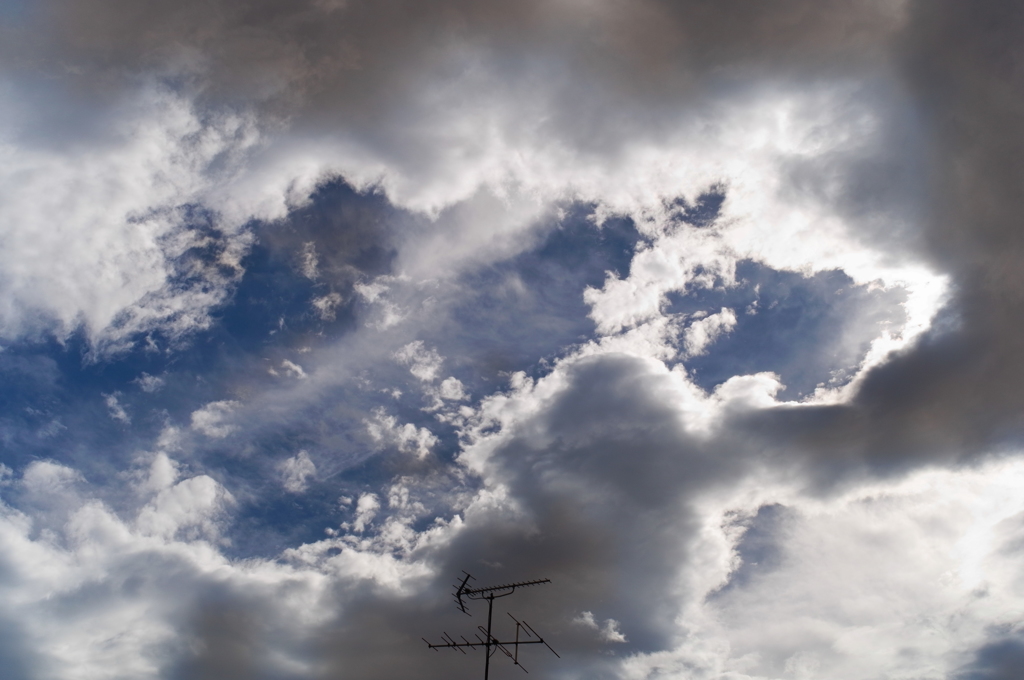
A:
[489,643]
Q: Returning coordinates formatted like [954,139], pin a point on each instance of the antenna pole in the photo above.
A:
[487,651]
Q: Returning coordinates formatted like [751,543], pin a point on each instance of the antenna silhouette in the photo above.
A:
[490,643]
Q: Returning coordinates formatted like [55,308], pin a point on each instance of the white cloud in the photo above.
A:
[162,473]
[191,506]
[94,595]
[293,369]
[46,478]
[296,472]
[700,334]
[365,510]
[326,306]
[452,389]
[385,429]
[609,632]
[116,410]
[685,258]
[371,292]
[310,261]
[95,229]
[905,579]
[743,392]
[149,383]
[210,419]
[90,594]
[423,363]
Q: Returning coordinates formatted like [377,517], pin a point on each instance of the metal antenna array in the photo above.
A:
[490,643]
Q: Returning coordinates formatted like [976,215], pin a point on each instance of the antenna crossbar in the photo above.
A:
[481,592]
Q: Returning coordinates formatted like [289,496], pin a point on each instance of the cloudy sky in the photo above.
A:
[710,312]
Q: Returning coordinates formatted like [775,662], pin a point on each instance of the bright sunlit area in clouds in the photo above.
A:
[706,311]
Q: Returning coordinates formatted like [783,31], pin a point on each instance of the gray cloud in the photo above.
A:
[395,92]
[327,51]
[995,661]
[955,394]
[16,653]
[603,480]
[386,76]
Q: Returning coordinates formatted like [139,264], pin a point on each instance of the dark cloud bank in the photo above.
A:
[605,475]
[956,393]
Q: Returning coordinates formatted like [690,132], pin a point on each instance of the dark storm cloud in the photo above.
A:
[966,65]
[602,478]
[227,637]
[599,73]
[319,44]
[1001,660]
[956,393]
[605,472]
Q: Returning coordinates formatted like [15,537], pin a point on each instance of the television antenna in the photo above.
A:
[489,642]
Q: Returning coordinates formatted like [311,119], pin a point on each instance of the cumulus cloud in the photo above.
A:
[865,602]
[452,389]
[96,592]
[609,632]
[365,510]
[705,330]
[190,506]
[386,430]
[162,473]
[99,232]
[693,521]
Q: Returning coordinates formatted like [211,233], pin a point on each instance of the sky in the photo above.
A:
[708,312]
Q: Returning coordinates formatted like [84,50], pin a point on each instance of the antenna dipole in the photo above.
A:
[489,643]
